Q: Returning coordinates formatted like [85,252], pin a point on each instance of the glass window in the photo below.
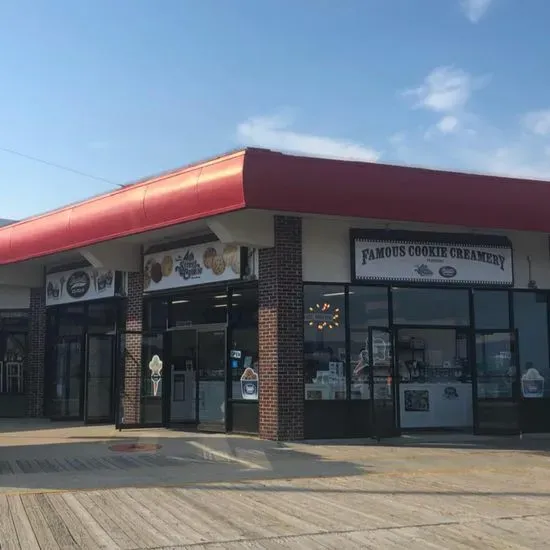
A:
[430,306]
[531,322]
[199,308]
[13,363]
[491,309]
[368,307]
[243,352]
[102,317]
[435,386]
[155,314]
[324,342]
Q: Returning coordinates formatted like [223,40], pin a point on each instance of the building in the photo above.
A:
[287,296]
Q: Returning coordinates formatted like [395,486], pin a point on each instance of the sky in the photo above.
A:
[120,90]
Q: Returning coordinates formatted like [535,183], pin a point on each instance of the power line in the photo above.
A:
[60,167]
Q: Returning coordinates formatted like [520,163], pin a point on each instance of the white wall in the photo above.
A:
[14,297]
[326,248]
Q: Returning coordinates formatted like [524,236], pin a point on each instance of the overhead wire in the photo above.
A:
[60,167]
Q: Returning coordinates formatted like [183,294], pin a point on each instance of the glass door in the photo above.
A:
[496,382]
[100,358]
[183,377]
[211,389]
[383,383]
[68,379]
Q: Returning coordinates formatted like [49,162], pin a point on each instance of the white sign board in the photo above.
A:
[79,285]
[432,262]
[191,265]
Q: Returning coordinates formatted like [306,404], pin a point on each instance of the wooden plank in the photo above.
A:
[168,535]
[253,502]
[204,500]
[55,522]
[102,539]
[8,534]
[40,526]
[81,537]
[25,533]
[146,533]
[178,524]
[100,514]
[201,522]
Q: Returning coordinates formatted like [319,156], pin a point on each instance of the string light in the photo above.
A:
[324,316]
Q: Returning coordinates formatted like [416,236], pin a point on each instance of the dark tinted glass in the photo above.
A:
[491,309]
[432,306]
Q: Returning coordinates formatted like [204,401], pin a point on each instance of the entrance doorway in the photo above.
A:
[497,382]
[434,378]
[196,380]
[84,378]
[382,382]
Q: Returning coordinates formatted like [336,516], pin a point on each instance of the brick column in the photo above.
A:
[36,353]
[281,337]
[132,350]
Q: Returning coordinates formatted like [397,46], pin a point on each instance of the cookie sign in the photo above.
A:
[249,384]
[192,265]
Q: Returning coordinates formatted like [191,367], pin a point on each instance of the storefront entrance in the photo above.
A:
[84,378]
[196,377]
[497,389]
[424,378]
[80,366]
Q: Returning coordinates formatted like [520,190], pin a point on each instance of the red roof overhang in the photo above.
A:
[267,180]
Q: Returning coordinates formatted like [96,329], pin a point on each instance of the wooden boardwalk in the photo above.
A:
[441,509]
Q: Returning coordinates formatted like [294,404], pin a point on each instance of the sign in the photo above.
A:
[79,285]
[249,384]
[155,366]
[432,262]
[192,265]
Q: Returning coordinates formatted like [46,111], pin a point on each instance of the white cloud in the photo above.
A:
[537,122]
[275,132]
[448,124]
[445,89]
[474,10]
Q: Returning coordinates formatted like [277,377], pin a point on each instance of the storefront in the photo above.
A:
[200,338]
[85,308]
[287,296]
[427,335]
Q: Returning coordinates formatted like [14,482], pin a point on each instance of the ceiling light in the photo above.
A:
[180,302]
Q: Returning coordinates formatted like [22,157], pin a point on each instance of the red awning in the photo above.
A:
[267,180]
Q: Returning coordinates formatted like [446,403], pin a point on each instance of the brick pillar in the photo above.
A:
[132,350]
[36,353]
[281,334]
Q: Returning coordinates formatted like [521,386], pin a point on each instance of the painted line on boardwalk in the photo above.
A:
[209,451]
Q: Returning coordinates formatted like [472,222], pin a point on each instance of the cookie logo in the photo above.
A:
[447,271]
[78,284]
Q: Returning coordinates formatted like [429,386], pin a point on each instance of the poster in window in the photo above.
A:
[417,400]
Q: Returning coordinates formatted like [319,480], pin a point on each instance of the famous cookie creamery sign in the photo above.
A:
[430,261]
[79,285]
[191,265]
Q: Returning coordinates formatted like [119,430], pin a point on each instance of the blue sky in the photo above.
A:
[123,89]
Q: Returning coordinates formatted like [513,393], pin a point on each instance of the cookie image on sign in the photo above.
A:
[218,265]
[208,257]
[167,265]
[232,258]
